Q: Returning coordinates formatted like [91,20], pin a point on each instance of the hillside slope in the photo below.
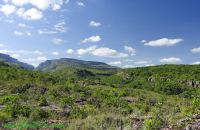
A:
[168,79]
[52,65]
[8,59]
[127,99]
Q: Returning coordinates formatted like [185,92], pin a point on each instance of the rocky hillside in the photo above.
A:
[8,59]
[150,98]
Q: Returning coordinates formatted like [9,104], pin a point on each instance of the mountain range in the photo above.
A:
[9,59]
[57,64]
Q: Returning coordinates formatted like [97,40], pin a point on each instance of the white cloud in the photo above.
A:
[143,41]
[196,50]
[9,21]
[115,63]
[28,60]
[55,53]
[70,51]
[170,60]
[60,27]
[163,42]
[16,56]
[1,45]
[141,62]
[58,41]
[5,51]
[107,52]
[21,25]
[30,14]
[149,65]
[22,52]
[95,24]
[92,39]
[129,66]
[79,3]
[41,58]
[7,9]
[87,50]
[38,52]
[196,63]
[18,33]
[102,52]
[40,4]
[129,49]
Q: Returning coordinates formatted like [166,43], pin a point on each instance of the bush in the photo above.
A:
[43,101]
[38,114]
[17,110]
[154,123]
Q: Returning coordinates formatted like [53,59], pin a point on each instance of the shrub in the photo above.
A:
[43,101]
[154,123]
[38,114]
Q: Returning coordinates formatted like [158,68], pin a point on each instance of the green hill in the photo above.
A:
[53,65]
[150,98]
[8,59]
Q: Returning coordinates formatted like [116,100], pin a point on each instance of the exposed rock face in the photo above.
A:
[194,84]
[151,79]
[193,126]
[137,123]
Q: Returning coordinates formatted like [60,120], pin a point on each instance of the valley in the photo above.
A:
[73,94]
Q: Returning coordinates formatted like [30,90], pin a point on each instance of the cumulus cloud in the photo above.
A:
[1,45]
[163,42]
[21,25]
[143,41]
[41,58]
[115,63]
[16,56]
[22,52]
[35,7]
[79,3]
[196,50]
[196,63]
[38,52]
[170,60]
[29,60]
[102,52]
[95,24]
[70,51]
[129,66]
[92,39]
[55,53]
[18,33]
[40,4]
[58,41]
[87,50]
[141,62]
[30,14]
[60,27]
[130,50]
[7,9]
[107,52]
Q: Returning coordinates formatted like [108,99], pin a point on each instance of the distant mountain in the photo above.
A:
[51,65]
[8,59]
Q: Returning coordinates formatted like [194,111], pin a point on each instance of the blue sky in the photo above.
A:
[125,33]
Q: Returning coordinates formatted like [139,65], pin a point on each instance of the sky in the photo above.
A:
[124,33]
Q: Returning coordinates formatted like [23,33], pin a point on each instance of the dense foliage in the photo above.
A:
[147,98]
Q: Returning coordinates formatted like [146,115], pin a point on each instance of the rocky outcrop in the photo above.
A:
[195,84]
[190,123]
[193,126]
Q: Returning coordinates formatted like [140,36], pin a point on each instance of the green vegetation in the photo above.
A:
[71,98]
